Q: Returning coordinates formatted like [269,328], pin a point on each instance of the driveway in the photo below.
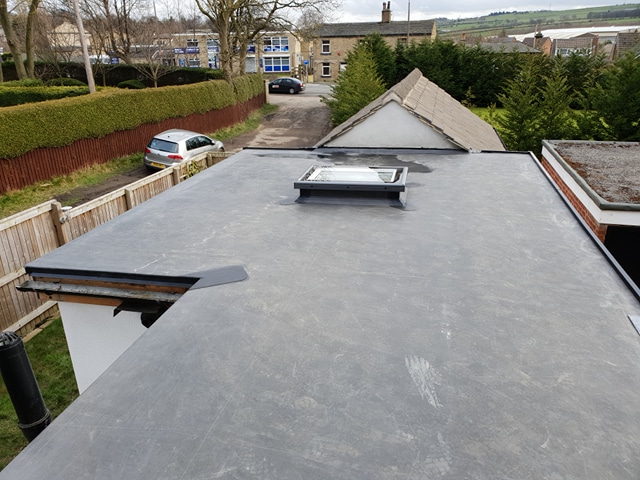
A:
[300,121]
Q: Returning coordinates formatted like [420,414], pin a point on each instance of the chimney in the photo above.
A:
[386,12]
[537,42]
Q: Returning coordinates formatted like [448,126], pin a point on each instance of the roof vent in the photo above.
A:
[353,184]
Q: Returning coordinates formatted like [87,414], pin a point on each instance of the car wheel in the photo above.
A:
[292,90]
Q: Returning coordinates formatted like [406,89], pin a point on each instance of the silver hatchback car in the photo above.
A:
[175,146]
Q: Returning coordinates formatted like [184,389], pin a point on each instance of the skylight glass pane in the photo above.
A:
[354,174]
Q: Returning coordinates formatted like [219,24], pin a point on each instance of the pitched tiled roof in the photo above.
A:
[361,29]
[436,108]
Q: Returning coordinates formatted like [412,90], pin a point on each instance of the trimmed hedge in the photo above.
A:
[109,75]
[132,84]
[10,95]
[64,121]
[65,82]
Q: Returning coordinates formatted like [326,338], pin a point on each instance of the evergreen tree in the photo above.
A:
[537,106]
[357,85]
[519,124]
[383,57]
[616,102]
[557,119]
[404,64]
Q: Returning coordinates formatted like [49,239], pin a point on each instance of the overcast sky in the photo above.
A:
[369,10]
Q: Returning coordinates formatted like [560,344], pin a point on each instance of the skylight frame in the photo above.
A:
[315,178]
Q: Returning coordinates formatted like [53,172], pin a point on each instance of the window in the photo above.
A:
[198,142]
[343,66]
[213,45]
[326,47]
[193,42]
[194,62]
[326,69]
[277,64]
[276,44]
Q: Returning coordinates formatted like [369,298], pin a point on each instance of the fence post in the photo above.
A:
[59,221]
[128,198]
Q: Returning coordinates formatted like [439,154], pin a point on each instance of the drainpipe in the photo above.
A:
[33,415]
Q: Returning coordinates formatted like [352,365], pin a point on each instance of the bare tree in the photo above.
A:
[32,19]
[15,46]
[153,49]
[112,22]
[239,22]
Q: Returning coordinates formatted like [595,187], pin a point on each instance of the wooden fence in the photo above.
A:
[31,234]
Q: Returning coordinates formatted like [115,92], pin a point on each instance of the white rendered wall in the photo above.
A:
[390,127]
[96,338]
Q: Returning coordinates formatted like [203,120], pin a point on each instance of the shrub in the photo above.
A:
[132,84]
[11,96]
[65,82]
[27,82]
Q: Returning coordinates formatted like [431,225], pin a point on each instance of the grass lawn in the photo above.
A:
[51,363]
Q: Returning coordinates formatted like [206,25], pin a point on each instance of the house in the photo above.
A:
[347,313]
[540,43]
[335,40]
[415,113]
[602,182]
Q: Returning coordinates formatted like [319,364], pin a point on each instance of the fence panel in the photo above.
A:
[149,187]
[24,237]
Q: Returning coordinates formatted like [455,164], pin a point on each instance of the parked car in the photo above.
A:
[175,146]
[286,85]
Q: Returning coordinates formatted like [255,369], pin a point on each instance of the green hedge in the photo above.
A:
[10,95]
[54,124]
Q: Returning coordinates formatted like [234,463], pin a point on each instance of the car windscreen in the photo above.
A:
[163,145]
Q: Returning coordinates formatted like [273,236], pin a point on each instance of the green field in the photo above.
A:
[523,22]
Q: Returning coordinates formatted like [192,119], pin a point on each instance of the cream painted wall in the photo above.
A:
[390,127]
[96,338]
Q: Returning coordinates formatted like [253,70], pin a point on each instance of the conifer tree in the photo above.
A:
[357,85]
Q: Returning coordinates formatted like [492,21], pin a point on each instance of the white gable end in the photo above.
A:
[392,126]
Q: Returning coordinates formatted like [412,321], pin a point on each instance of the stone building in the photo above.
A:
[335,40]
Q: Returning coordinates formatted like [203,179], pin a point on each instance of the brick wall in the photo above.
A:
[597,228]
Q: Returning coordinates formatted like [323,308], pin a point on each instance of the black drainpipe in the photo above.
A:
[33,415]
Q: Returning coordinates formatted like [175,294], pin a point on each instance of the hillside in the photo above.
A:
[512,23]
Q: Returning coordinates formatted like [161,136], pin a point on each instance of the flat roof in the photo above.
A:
[611,169]
[478,332]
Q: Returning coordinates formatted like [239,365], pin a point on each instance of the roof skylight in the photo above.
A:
[356,182]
